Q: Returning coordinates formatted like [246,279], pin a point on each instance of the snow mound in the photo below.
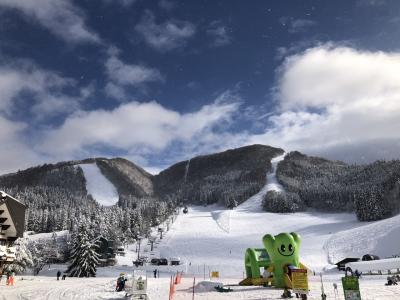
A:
[253,204]
[101,189]
[206,286]
[223,219]
[380,238]
[375,265]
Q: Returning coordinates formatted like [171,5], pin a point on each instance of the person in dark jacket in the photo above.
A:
[58,274]
[121,283]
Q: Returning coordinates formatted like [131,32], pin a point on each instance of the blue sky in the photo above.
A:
[160,81]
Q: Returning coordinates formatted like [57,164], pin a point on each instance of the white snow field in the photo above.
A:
[101,189]
[381,238]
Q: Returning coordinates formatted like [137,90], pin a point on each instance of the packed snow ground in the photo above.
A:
[199,239]
[101,189]
[102,287]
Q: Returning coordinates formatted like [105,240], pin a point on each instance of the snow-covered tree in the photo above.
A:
[23,255]
[84,258]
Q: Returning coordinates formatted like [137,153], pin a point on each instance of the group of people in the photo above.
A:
[393,280]
[59,274]
[9,277]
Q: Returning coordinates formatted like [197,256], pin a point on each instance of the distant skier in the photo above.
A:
[121,283]
[155,273]
[58,274]
[10,278]
[391,280]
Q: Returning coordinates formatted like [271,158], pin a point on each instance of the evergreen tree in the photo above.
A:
[23,258]
[84,258]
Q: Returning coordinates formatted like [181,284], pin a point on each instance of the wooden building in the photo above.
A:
[12,224]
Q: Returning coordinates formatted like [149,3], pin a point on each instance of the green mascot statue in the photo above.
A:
[281,254]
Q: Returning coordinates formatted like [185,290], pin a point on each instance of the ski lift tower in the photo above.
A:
[12,224]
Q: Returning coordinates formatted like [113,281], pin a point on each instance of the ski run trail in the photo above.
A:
[97,185]
[213,238]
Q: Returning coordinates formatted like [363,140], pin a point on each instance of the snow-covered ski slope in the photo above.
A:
[198,238]
[272,184]
[218,237]
[381,238]
[101,189]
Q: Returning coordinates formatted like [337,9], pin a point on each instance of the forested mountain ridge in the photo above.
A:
[228,177]
[372,191]
[57,198]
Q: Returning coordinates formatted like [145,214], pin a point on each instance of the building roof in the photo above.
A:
[347,259]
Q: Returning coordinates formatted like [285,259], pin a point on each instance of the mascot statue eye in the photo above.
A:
[283,248]
[290,247]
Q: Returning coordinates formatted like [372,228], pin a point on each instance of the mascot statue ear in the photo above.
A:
[296,237]
[268,241]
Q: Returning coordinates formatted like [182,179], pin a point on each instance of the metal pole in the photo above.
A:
[138,250]
[194,282]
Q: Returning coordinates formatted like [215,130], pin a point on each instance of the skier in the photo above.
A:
[155,273]
[10,278]
[121,282]
[58,274]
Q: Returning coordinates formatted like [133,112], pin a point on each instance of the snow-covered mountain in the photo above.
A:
[61,194]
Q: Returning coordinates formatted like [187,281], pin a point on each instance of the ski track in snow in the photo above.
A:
[223,219]
[253,204]
[102,190]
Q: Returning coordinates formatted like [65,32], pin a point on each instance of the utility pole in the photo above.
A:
[139,239]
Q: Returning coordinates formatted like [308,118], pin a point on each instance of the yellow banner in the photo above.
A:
[300,281]
[214,274]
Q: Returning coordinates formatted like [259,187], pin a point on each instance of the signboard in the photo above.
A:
[299,281]
[351,288]
[214,274]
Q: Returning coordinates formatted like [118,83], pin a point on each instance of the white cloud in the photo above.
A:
[333,98]
[166,4]
[115,91]
[219,33]
[141,127]
[43,90]
[300,25]
[125,74]
[49,104]
[165,36]
[14,152]
[124,3]
[61,17]
[371,2]
[121,75]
